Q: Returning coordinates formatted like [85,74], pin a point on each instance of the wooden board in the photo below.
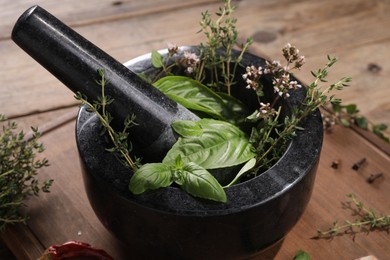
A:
[357,33]
[65,214]
[354,30]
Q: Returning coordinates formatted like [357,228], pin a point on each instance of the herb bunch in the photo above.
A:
[270,133]
[367,220]
[271,136]
[206,89]
[19,167]
[221,34]
[215,56]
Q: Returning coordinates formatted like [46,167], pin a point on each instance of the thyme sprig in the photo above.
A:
[122,146]
[215,55]
[367,220]
[221,33]
[270,147]
[349,115]
[18,171]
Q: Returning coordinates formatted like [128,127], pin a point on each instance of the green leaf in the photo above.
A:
[150,176]
[187,128]
[361,122]
[351,109]
[178,163]
[220,145]
[378,130]
[198,182]
[235,105]
[253,117]
[336,106]
[379,127]
[344,122]
[197,97]
[302,255]
[157,59]
[144,77]
[247,166]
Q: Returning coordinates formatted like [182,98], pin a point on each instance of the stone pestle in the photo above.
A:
[75,62]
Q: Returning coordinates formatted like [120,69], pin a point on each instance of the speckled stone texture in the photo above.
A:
[168,223]
[75,62]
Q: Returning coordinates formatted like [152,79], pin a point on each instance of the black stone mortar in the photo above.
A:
[169,223]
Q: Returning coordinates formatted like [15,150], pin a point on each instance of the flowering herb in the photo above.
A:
[18,171]
[270,133]
[203,82]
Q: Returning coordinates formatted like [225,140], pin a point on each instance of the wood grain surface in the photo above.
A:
[356,31]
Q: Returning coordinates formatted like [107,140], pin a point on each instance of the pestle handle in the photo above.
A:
[75,61]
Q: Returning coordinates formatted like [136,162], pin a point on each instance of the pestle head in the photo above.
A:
[74,61]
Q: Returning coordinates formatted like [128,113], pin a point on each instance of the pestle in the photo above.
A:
[75,61]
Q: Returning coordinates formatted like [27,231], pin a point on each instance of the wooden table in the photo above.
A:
[357,31]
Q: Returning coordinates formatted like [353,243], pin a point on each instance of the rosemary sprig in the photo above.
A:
[368,220]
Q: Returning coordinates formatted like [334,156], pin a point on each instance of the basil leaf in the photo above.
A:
[187,128]
[198,182]
[247,166]
[302,255]
[221,144]
[157,59]
[150,176]
[238,109]
[194,95]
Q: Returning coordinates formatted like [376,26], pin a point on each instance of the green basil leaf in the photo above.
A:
[237,108]
[150,176]
[247,166]
[198,182]
[221,144]
[187,128]
[178,163]
[194,96]
[198,109]
[302,255]
[157,59]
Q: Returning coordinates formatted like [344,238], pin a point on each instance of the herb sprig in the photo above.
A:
[348,115]
[120,139]
[367,220]
[19,167]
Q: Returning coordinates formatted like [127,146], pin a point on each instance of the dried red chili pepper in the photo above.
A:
[74,250]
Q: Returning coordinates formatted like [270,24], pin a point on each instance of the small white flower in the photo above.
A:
[294,85]
[265,111]
[190,70]
[191,57]
[172,49]
[252,76]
